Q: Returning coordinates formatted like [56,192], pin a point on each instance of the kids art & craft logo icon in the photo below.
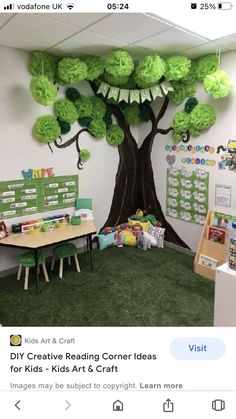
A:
[15,340]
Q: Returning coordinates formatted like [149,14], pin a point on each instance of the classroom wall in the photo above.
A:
[223,130]
[19,150]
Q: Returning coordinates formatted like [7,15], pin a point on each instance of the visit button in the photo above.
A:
[197,348]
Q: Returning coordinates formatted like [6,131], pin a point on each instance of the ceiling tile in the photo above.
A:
[39,30]
[87,42]
[171,41]
[130,28]
[200,51]
[4,17]
[137,52]
[227,41]
[80,20]
[14,41]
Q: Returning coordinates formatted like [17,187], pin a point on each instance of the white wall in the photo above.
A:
[19,150]
[223,130]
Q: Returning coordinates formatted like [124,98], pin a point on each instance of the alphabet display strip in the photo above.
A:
[187,194]
[32,196]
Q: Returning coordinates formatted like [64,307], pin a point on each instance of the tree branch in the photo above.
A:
[71,141]
[163,131]
[162,110]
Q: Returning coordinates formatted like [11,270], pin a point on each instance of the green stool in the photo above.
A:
[62,251]
[27,261]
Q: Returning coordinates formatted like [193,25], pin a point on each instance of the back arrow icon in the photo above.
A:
[17,405]
[68,405]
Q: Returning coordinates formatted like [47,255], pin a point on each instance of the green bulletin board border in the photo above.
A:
[42,190]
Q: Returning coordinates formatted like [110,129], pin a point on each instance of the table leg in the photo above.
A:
[90,246]
[36,259]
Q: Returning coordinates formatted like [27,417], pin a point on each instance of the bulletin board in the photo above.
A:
[31,196]
[187,194]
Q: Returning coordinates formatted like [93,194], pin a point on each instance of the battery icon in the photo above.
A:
[225,5]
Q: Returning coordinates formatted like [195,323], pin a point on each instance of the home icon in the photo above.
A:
[118,406]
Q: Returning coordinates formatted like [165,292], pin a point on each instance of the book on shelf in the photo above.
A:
[223,221]
[216,235]
[208,261]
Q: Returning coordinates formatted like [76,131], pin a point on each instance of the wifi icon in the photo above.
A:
[70,6]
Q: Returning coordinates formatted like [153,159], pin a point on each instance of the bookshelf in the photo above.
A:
[211,249]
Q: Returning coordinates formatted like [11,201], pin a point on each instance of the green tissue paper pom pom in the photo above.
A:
[206,65]
[43,91]
[149,71]
[72,94]
[177,67]
[132,114]
[194,132]
[181,122]
[84,106]
[181,91]
[97,128]
[99,107]
[191,76]
[115,135]
[65,126]
[119,63]
[218,84]
[66,110]
[115,80]
[202,117]
[84,155]
[72,70]
[85,122]
[95,66]
[42,64]
[190,104]
[108,119]
[46,129]
[144,113]
[177,137]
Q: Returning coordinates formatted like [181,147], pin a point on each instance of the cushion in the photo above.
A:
[106,241]
[158,233]
[65,250]
[130,240]
[27,259]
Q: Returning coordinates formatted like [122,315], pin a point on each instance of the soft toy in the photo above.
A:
[145,241]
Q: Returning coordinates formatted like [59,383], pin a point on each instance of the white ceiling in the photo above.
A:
[99,33]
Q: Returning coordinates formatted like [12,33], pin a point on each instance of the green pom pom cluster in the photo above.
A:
[206,65]
[218,84]
[99,107]
[85,122]
[46,129]
[84,106]
[131,113]
[181,91]
[42,64]
[43,91]
[190,104]
[181,122]
[202,117]
[84,155]
[149,71]
[119,63]
[65,126]
[177,67]
[191,76]
[95,67]
[177,137]
[108,118]
[97,128]
[66,111]
[72,94]
[72,70]
[115,80]
[115,135]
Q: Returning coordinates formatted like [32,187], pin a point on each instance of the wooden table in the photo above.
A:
[39,240]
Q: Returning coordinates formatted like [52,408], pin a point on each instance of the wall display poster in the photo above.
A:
[223,195]
[31,196]
[187,194]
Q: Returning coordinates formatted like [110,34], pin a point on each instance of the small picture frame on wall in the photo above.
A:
[223,195]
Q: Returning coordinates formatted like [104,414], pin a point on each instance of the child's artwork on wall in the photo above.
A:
[228,159]
[187,194]
[32,196]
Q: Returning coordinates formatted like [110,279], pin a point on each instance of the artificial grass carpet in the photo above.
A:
[128,287]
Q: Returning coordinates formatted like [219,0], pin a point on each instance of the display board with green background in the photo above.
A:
[187,194]
[32,196]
